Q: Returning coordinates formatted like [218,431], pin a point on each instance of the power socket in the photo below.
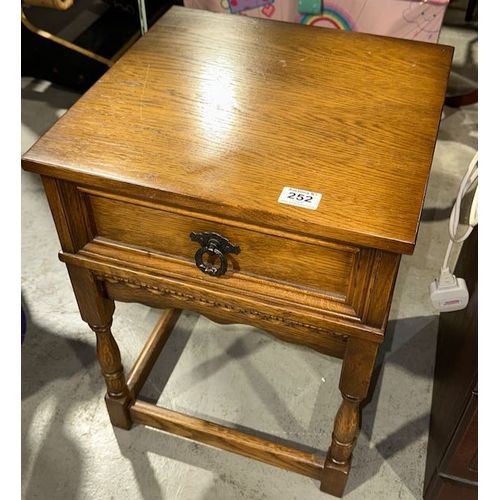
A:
[454,296]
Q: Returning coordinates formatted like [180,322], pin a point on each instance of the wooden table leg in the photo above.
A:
[357,369]
[97,310]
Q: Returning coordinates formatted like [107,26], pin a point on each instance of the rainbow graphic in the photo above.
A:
[330,18]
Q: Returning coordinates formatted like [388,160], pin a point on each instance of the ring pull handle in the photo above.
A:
[213,248]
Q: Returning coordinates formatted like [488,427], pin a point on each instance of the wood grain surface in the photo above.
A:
[219,113]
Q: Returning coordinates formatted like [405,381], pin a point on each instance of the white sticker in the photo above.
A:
[300,198]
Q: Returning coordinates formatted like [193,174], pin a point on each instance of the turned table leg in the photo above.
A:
[97,310]
[357,368]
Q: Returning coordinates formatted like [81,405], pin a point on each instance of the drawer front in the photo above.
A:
[312,266]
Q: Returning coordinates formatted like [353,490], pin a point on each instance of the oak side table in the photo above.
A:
[255,172]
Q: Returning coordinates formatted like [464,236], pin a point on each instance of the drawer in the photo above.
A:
[324,268]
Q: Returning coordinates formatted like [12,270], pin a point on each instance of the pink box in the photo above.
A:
[410,19]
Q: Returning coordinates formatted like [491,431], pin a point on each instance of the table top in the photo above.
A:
[218,113]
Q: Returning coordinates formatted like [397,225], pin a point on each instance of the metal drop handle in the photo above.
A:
[212,245]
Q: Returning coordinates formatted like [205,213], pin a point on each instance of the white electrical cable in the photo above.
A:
[143,18]
[468,180]
[447,292]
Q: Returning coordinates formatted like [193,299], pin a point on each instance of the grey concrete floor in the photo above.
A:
[235,375]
